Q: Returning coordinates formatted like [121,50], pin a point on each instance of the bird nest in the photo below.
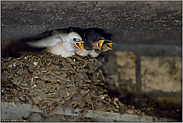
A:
[50,81]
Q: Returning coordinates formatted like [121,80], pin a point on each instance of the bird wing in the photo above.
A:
[45,42]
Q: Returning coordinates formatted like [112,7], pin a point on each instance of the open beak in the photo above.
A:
[109,46]
[99,44]
[79,44]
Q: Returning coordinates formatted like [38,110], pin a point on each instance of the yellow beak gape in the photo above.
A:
[78,45]
[99,44]
[109,46]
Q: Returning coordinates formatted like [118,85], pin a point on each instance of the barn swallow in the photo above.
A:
[104,47]
[96,41]
[60,43]
[80,44]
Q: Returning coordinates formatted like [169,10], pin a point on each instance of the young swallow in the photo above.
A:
[95,40]
[60,43]
[80,44]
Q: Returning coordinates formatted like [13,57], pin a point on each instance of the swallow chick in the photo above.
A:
[81,51]
[60,43]
[99,47]
[96,41]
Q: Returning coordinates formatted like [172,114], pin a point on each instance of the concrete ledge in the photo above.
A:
[25,109]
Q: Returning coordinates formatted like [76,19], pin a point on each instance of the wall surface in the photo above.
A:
[129,22]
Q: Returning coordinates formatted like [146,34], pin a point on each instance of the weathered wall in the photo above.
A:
[130,22]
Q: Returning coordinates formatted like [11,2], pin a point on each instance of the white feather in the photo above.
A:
[59,44]
[58,49]
[68,46]
[45,42]
[68,41]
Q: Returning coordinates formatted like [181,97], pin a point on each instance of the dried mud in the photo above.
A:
[102,84]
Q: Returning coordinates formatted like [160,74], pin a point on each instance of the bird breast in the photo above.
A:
[59,49]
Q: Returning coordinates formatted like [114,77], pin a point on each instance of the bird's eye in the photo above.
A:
[74,39]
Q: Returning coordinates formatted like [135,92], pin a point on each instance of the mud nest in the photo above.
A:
[50,81]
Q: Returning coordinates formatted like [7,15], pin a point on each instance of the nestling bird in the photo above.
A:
[71,41]
[60,43]
[95,40]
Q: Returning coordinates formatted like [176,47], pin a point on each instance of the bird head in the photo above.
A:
[103,44]
[76,39]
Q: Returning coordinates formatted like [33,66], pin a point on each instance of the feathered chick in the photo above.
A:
[96,41]
[60,43]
